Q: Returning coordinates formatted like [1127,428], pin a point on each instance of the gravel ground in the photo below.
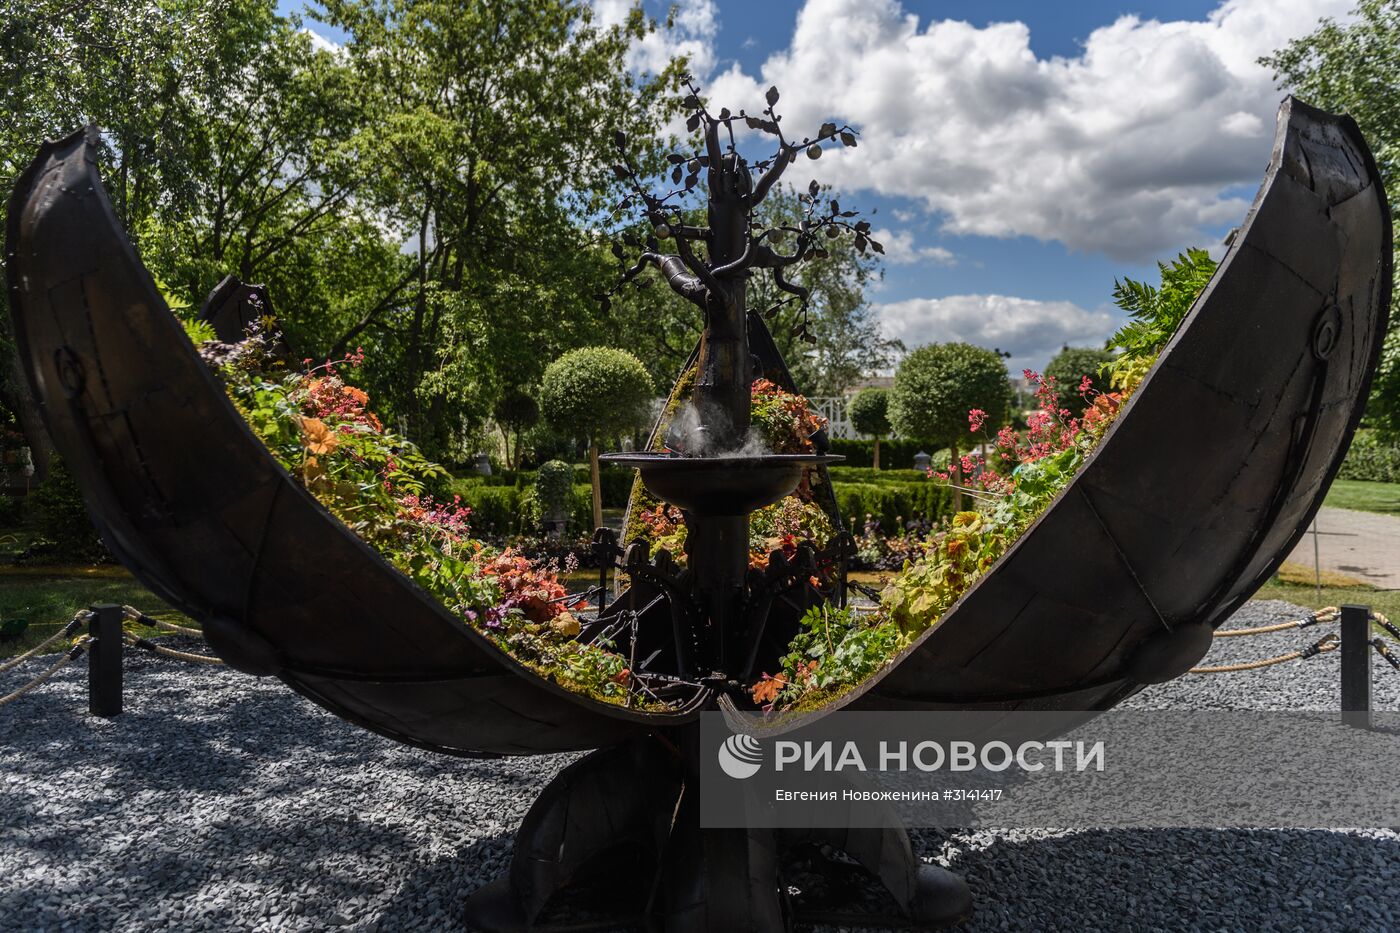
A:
[221,802]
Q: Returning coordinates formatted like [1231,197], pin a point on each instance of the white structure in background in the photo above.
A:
[833,407]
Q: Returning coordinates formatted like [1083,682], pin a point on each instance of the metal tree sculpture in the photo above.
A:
[733,246]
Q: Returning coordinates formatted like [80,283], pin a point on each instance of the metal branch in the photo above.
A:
[698,268]
[771,176]
[783,284]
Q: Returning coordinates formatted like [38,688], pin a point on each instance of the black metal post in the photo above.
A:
[1356,666]
[105,661]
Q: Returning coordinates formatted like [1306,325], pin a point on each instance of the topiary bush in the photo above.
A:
[938,386]
[869,412]
[599,393]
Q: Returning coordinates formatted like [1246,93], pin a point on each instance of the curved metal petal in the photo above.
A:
[190,500]
[1212,472]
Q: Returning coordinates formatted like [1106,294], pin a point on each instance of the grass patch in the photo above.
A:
[1363,496]
[48,597]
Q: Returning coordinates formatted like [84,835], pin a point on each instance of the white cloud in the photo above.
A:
[692,34]
[901,251]
[1124,149]
[1031,331]
[321,43]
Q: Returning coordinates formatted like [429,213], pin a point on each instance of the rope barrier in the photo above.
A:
[1321,646]
[1386,624]
[136,615]
[145,644]
[68,631]
[68,657]
[1327,614]
[1381,649]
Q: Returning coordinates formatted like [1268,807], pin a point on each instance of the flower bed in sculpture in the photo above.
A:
[838,649]
[322,431]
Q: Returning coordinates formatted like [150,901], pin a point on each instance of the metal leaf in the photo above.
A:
[835,207]
[676,175]
[848,138]
[772,96]
[693,123]
[691,102]
[620,171]
[724,113]
[617,250]
[828,129]
[814,188]
[875,245]
[674,158]
[619,139]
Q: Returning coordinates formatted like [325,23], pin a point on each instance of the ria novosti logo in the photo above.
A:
[740,756]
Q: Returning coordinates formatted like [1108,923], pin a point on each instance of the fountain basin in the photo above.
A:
[720,485]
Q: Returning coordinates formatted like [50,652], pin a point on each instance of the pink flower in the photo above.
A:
[976,418]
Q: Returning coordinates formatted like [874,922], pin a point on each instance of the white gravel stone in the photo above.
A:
[223,802]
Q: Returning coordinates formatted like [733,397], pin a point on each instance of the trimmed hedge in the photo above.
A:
[616,482]
[891,503]
[892,496]
[895,453]
[1371,459]
[503,511]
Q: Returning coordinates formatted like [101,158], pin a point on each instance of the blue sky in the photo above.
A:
[1018,156]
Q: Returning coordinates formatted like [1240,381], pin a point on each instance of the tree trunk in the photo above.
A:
[597,486]
[956,464]
[876,459]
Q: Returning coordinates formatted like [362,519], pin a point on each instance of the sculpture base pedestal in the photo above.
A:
[615,841]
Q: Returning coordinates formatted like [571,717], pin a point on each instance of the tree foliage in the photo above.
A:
[1069,367]
[937,385]
[869,411]
[597,392]
[1355,69]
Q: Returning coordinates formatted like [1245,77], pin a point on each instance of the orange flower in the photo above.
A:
[317,437]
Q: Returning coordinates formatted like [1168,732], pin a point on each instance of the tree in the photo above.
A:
[869,411]
[487,150]
[1069,367]
[1355,69]
[599,393]
[847,343]
[515,413]
[935,388]
[712,264]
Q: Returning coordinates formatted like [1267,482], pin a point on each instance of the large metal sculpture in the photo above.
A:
[1189,503]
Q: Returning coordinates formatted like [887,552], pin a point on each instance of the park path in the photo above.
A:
[1364,545]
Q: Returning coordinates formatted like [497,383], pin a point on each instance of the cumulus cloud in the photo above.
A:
[694,25]
[1031,331]
[901,251]
[1124,149]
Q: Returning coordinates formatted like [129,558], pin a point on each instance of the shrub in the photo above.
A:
[61,519]
[1370,458]
[554,488]
[1069,367]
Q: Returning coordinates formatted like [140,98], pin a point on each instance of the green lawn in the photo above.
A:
[49,596]
[1365,496]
